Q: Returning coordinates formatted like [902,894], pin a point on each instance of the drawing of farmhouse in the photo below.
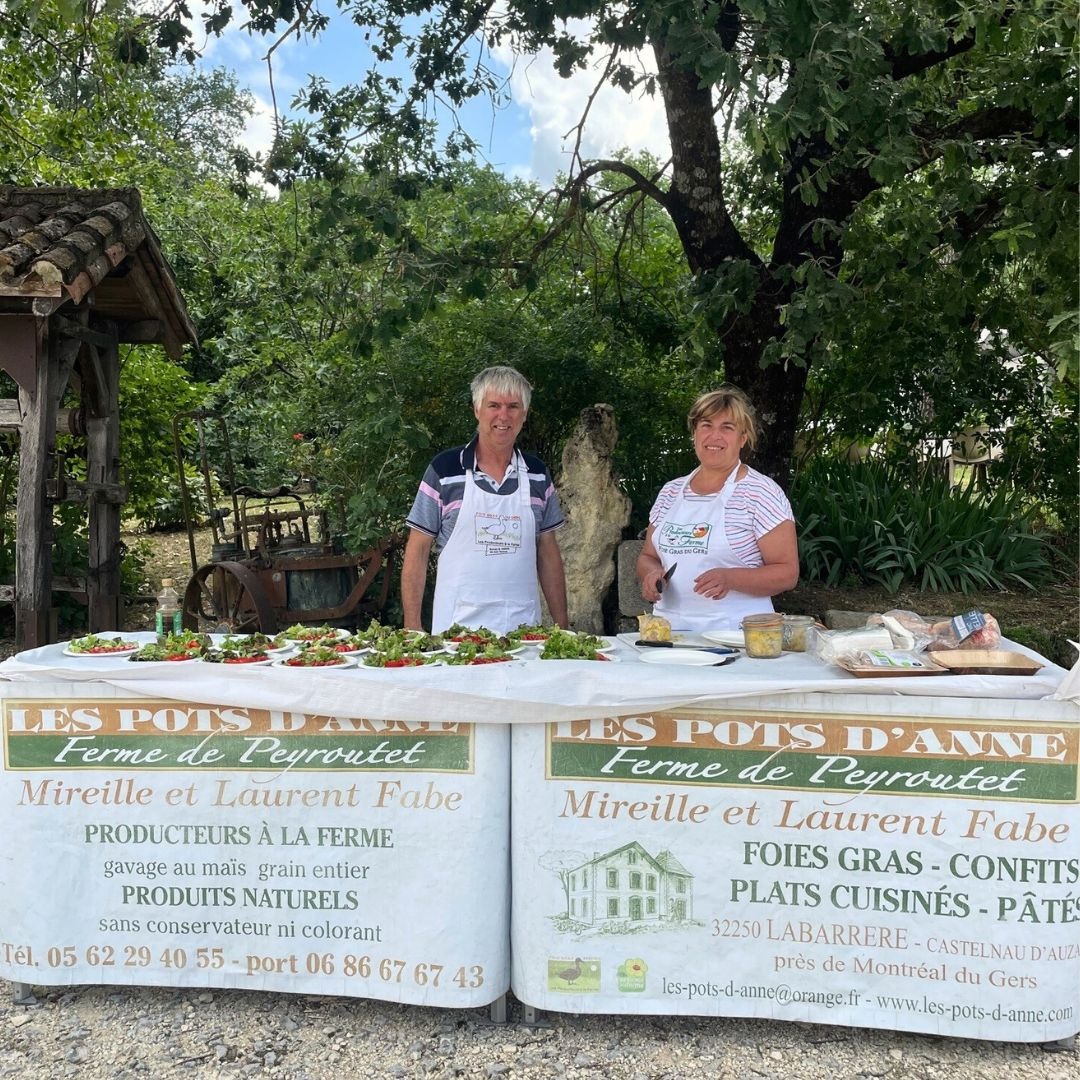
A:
[630,885]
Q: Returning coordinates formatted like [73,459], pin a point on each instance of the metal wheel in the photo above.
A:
[227,598]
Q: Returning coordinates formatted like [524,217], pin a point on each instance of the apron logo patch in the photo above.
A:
[686,538]
[497,534]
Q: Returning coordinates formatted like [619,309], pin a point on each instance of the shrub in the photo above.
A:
[885,525]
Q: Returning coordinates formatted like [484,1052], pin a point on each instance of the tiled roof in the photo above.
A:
[64,243]
[668,862]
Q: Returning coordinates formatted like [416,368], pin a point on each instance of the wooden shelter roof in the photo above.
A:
[60,244]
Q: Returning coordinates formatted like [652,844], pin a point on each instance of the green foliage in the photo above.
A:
[365,457]
[890,179]
[883,525]
[153,390]
[1041,456]
[165,510]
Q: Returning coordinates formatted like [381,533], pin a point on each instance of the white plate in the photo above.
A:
[607,644]
[684,657]
[283,661]
[735,638]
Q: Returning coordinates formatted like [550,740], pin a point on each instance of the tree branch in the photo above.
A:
[903,64]
[993,122]
[640,181]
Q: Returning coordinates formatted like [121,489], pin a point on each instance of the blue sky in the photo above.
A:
[525,138]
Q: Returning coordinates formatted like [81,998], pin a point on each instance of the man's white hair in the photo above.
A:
[501,380]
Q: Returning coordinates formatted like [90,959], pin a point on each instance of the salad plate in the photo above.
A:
[99,645]
[512,650]
[143,656]
[314,657]
[381,660]
[238,661]
[534,635]
[242,642]
[299,634]
[568,645]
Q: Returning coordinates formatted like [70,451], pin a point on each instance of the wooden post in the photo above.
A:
[100,394]
[34,618]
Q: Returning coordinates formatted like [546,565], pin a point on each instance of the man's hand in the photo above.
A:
[552,577]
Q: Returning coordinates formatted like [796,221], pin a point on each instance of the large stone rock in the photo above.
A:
[597,513]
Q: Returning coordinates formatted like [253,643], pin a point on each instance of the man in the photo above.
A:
[492,513]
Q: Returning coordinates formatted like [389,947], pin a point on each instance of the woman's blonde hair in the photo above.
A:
[731,399]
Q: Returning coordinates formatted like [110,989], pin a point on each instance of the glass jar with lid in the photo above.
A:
[796,629]
[764,635]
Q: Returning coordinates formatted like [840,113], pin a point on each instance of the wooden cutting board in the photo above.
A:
[986,662]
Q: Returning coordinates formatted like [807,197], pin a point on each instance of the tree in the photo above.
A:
[560,863]
[797,127]
[789,121]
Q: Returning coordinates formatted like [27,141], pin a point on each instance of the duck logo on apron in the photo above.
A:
[497,534]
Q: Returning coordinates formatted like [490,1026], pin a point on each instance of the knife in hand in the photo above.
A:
[666,578]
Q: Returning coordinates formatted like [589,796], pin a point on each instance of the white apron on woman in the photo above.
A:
[487,570]
[693,535]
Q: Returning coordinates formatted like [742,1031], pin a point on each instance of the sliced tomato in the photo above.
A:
[257,659]
[180,656]
[405,661]
[490,659]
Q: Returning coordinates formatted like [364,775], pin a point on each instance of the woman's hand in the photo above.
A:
[714,584]
[649,570]
[649,591]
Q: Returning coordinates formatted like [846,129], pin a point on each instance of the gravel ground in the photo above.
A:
[125,1033]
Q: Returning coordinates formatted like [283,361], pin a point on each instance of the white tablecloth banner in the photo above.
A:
[528,692]
[910,864]
[160,842]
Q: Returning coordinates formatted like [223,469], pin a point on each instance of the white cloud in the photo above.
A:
[245,55]
[555,106]
[258,134]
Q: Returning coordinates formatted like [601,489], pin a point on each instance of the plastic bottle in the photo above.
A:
[168,618]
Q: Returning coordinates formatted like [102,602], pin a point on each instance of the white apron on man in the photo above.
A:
[487,569]
[693,534]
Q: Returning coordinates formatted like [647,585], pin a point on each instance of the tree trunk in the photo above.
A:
[710,239]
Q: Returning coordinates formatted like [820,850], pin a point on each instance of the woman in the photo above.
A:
[726,531]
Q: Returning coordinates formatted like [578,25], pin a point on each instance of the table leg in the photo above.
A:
[1058,1046]
[21,994]
[498,1010]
